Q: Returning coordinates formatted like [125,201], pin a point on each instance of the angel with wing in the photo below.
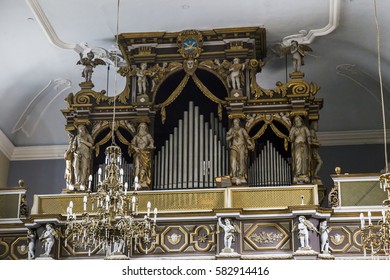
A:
[89,63]
[303,231]
[230,229]
[298,53]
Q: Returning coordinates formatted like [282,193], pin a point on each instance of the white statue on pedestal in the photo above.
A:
[303,232]
[324,237]
[236,74]
[229,229]
[48,238]
[31,236]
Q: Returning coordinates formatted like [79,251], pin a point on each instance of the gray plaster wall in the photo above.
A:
[351,159]
[4,169]
[40,176]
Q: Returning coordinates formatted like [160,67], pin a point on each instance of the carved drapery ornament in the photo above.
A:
[190,72]
[268,120]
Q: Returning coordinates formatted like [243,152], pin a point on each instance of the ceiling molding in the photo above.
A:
[355,137]
[330,138]
[306,37]
[49,30]
[6,146]
[39,152]
[32,115]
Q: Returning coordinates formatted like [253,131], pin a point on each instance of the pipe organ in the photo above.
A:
[193,155]
[269,168]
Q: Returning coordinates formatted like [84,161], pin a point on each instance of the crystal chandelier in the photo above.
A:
[377,238]
[113,227]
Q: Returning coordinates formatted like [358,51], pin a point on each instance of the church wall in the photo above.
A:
[351,159]
[40,176]
[4,168]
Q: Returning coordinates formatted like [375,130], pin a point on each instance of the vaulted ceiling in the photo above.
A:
[40,40]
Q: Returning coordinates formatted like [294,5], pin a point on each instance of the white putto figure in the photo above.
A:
[303,227]
[48,238]
[230,229]
[324,237]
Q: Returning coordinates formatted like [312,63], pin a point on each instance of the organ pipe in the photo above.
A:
[194,154]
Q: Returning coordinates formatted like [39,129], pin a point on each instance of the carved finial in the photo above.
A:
[21,183]
[337,170]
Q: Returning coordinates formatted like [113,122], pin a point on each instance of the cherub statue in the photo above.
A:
[236,76]
[298,52]
[158,73]
[303,227]
[324,237]
[142,82]
[89,63]
[230,229]
[47,238]
[31,237]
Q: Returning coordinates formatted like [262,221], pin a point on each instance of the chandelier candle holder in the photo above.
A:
[113,225]
[377,238]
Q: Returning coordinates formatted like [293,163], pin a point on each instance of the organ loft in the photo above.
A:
[230,165]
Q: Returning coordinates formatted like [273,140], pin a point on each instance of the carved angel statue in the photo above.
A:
[142,146]
[68,156]
[236,77]
[303,227]
[31,237]
[315,155]
[142,81]
[89,63]
[231,71]
[48,238]
[157,74]
[298,52]
[324,237]
[230,229]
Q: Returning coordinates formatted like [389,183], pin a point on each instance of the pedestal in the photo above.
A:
[238,181]
[236,93]
[228,253]
[86,85]
[117,257]
[296,75]
[223,182]
[143,98]
[44,258]
[326,257]
[301,180]
[305,254]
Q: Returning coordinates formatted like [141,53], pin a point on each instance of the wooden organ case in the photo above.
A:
[181,84]
[192,89]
